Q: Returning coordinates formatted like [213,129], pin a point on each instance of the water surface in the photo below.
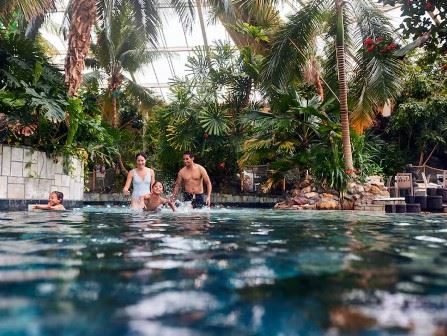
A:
[225,272]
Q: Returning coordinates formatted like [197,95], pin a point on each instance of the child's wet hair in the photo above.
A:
[59,195]
[160,183]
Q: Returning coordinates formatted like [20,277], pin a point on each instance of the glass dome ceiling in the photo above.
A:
[175,42]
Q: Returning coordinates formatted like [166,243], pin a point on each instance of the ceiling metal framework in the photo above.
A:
[176,43]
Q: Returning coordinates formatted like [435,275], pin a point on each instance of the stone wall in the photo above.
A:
[359,196]
[28,176]
[216,199]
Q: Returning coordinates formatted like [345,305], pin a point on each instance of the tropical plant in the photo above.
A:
[428,33]
[10,10]
[422,125]
[343,26]
[249,23]
[124,51]
[418,126]
[295,132]
[32,94]
[34,103]
[203,115]
[82,14]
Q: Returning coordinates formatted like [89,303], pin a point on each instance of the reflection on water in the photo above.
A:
[113,271]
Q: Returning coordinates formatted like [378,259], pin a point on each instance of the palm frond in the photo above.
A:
[93,77]
[378,81]
[145,96]
[370,21]
[147,15]
[185,11]
[377,78]
[213,120]
[28,8]
[180,136]
[291,47]
[132,59]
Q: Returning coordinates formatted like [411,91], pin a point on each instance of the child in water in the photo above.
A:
[54,202]
[153,201]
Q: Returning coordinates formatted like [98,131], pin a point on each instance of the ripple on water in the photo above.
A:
[224,271]
[12,276]
[406,312]
[430,239]
[165,264]
[172,302]
[402,223]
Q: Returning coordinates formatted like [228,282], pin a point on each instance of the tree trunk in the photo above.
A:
[119,162]
[83,17]
[421,157]
[114,111]
[430,155]
[343,88]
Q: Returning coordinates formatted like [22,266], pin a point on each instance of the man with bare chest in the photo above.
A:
[191,177]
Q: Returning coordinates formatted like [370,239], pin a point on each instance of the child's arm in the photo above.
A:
[42,206]
[57,207]
[145,203]
[49,207]
[170,203]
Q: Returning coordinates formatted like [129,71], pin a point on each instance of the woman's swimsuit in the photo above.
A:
[141,186]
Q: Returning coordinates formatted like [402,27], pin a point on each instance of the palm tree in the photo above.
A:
[27,8]
[125,52]
[83,15]
[342,26]
[246,21]
[343,86]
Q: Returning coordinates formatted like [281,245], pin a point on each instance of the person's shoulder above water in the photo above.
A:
[154,201]
[55,200]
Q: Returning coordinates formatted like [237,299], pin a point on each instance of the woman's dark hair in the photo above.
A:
[59,195]
[141,154]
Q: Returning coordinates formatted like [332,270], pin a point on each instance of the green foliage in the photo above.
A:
[257,33]
[419,124]
[328,166]
[367,155]
[121,50]
[295,133]
[32,94]
[416,23]
[35,105]
[374,78]
[203,116]
[75,110]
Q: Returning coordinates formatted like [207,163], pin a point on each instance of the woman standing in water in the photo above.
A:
[143,178]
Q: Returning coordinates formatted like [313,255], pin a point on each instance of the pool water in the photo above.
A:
[109,271]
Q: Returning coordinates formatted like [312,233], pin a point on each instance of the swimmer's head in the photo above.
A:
[157,188]
[56,198]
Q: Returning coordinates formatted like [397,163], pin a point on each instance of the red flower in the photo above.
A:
[368,41]
[379,39]
[371,48]
[428,6]
[391,46]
